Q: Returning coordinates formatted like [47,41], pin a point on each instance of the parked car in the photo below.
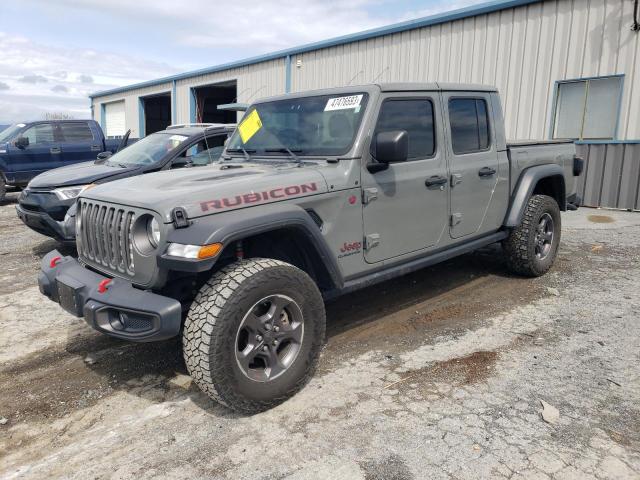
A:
[317,194]
[28,149]
[44,205]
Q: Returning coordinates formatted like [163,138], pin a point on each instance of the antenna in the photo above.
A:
[256,92]
[356,76]
[238,96]
[380,74]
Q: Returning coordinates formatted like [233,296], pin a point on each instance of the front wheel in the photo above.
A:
[253,334]
[532,246]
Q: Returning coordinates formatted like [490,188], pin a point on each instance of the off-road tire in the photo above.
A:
[212,324]
[3,188]
[520,246]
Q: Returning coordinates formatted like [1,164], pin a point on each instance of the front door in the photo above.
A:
[405,206]
[473,161]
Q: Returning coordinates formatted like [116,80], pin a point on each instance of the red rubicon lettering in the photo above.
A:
[247,198]
[292,190]
[210,205]
[251,197]
[237,200]
[273,194]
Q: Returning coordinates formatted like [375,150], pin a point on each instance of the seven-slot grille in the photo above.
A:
[105,235]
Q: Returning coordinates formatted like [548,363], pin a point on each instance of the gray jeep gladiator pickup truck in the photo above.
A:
[317,194]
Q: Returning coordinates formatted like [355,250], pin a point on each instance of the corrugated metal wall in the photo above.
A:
[612,175]
[522,51]
[254,81]
[131,101]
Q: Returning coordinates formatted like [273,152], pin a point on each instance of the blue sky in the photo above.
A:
[53,53]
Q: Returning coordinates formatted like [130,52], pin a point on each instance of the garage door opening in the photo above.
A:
[157,113]
[205,101]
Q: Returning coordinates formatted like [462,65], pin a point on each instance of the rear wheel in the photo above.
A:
[532,247]
[254,333]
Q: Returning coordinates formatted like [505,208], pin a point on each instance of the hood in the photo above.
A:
[216,188]
[77,174]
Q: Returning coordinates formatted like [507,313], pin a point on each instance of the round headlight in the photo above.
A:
[153,227]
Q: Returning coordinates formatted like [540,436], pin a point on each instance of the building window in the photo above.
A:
[587,109]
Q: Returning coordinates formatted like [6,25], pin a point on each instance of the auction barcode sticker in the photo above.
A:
[343,103]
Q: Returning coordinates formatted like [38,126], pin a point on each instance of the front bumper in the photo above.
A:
[46,214]
[45,225]
[121,310]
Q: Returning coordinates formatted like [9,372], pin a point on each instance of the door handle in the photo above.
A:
[486,172]
[435,180]
[54,150]
[95,148]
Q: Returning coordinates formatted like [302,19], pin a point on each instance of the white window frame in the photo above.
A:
[586,80]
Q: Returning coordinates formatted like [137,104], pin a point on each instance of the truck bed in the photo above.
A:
[523,154]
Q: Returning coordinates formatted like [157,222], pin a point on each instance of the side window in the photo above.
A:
[206,151]
[41,133]
[76,132]
[469,120]
[416,117]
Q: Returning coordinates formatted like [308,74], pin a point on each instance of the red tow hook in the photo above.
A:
[102,286]
[54,261]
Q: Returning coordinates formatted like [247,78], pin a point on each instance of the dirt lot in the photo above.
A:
[438,375]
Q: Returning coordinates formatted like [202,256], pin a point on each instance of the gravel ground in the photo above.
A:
[440,374]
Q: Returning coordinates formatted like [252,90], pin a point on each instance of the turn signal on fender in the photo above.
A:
[208,251]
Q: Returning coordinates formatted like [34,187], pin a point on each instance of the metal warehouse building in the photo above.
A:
[564,68]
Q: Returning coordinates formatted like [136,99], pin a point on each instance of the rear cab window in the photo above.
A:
[413,115]
[76,132]
[470,125]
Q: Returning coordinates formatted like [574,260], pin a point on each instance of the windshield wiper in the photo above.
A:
[247,157]
[295,157]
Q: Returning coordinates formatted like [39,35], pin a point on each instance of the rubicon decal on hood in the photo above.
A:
[273,194]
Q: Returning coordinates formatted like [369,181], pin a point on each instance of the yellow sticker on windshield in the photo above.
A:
[250,126]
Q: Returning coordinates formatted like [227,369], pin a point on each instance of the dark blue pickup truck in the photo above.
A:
[28,149]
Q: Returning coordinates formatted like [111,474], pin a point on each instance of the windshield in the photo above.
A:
[147,151]
[322,125]
[9,132]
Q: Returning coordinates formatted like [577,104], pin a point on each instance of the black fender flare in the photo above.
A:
[228,227]
[527,182]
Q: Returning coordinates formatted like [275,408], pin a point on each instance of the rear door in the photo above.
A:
[401,214]
[40,155]
[473,161]
[78,143]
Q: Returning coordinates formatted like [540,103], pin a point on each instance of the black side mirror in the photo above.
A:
[22,142]
[102,156]
[391,147]
[181,162]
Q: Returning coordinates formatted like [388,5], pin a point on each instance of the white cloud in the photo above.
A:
[33,79]
[85,78]
[26,67]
